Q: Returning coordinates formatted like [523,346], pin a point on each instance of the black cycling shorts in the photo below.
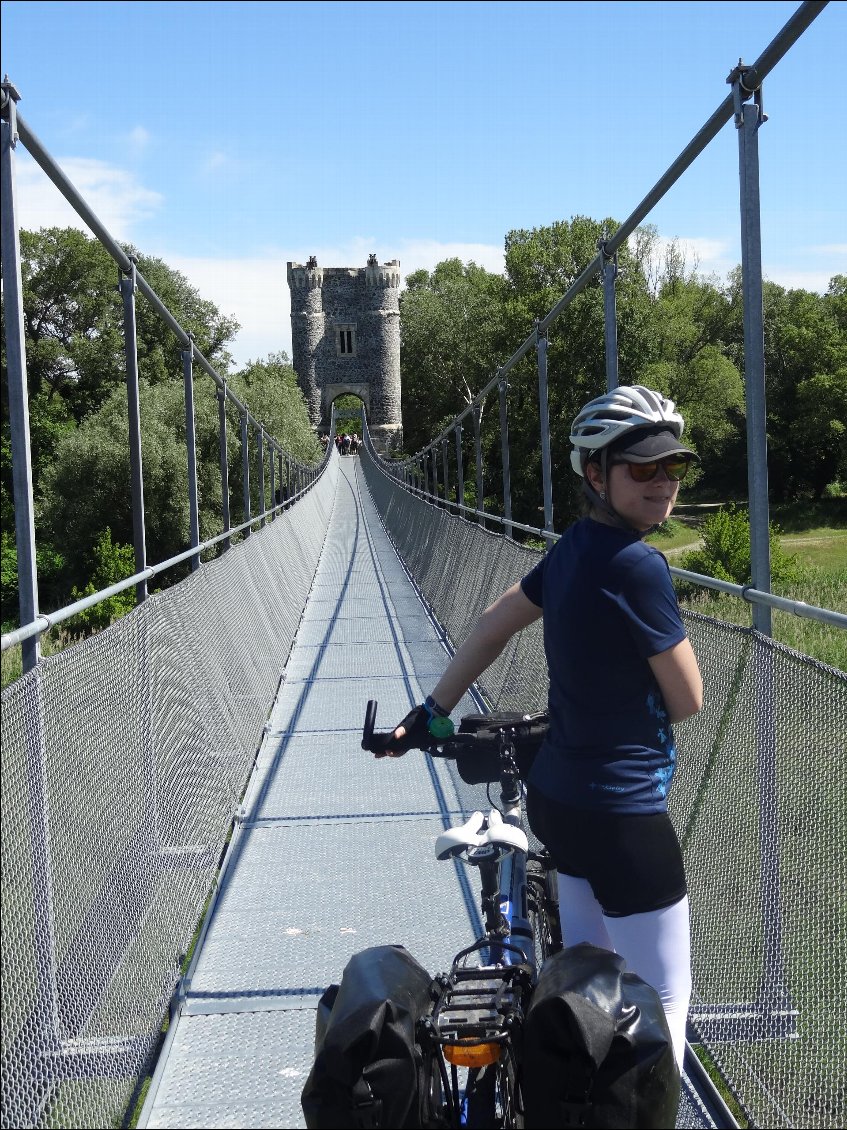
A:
[633,863]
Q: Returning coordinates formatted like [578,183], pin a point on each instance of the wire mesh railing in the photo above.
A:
[124,760]
[758,805]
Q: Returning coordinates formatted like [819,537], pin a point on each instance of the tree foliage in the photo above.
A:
[677,331]
[451,335]
[73,322]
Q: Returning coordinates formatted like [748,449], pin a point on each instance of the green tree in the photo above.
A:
[541,265]
[73,324]
[97,454]
[805,340]
[451,336]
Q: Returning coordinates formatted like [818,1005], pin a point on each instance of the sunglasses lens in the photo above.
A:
[675,469]
[643,472]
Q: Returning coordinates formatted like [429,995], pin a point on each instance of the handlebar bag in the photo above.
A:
[597,1050]
[368,1069]
[481,765]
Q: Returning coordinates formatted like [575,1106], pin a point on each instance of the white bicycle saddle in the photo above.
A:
[456,841]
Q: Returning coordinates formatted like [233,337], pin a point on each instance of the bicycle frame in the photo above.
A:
[504,900]
[481,1003]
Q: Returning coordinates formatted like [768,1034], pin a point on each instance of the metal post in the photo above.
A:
[17,382]
[127,286]
[505,459]
[191,449]
[260,471]
[245,472]
[433,458]
[460,469]
[610,273]
[748,118]
[271,472]
[544,417]
[42,1028]
[224,462]
[444,468]
[477,422]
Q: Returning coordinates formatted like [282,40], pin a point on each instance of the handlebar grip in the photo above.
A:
[370,722]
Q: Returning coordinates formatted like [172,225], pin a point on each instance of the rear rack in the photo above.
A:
[480,1003]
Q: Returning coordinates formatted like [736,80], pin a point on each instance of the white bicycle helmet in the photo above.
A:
[611,415]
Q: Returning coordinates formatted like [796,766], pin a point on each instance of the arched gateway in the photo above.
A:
[345,325]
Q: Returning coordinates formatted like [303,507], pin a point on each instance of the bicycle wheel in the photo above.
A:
[543,907]
[492,1100]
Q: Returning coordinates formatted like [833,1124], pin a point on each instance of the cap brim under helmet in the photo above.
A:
[644,445]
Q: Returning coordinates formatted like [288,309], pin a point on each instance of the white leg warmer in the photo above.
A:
[657,946]
[581,914]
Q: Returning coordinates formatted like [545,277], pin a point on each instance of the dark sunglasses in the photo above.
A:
[675,467]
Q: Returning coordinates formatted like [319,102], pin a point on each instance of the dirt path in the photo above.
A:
[787,542]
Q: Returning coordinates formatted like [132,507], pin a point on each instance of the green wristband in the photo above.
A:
[441,727]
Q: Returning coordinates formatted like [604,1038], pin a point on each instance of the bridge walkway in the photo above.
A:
[333,852]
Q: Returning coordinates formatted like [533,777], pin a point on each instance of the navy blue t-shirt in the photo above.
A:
[608,606]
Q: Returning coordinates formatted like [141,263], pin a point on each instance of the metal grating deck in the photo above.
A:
[334,852]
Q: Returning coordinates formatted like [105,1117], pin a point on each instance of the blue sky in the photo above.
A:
[229,138]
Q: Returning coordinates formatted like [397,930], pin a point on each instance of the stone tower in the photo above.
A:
[345,329]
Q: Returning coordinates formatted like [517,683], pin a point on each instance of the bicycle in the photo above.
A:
[471,1035]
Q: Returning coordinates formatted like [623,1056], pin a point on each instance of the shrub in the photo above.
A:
[725,553]
[112,562]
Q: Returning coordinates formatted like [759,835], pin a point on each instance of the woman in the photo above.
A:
[621,672]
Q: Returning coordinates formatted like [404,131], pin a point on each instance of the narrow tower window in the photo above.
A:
[345,340]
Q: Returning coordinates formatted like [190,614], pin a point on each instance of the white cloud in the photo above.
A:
[139,139]
[215,161]
[701,254]
[254,291]
[114,196]
[792,279]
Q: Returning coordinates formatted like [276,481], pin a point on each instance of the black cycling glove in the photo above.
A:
[423,730]
[417,734]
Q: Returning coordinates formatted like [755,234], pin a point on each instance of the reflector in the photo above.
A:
[471,1055]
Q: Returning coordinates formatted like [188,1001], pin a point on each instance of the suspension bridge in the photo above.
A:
[196,766]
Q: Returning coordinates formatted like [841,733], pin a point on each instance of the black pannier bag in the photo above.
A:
[597,1050]
[481,765]
[368,1070]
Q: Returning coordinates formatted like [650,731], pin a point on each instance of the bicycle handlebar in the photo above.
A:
[439,747]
